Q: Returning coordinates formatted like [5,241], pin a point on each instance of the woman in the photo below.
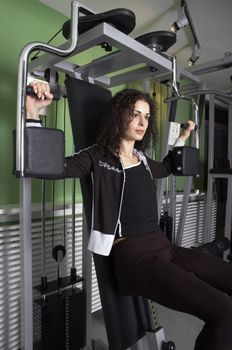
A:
[125,221]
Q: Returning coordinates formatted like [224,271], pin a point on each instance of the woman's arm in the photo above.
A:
[185,134]
[42,99]
[78,165]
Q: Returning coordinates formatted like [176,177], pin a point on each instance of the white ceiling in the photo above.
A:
[211,20]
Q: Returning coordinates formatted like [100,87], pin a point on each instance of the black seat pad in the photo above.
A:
[159,41]
[122,19]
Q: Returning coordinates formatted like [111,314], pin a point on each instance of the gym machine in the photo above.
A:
[130,52]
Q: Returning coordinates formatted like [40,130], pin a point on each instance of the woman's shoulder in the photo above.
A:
[97,152]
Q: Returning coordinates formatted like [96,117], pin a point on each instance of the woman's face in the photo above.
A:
[137,121]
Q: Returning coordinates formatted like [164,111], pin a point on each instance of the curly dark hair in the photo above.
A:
[114,124]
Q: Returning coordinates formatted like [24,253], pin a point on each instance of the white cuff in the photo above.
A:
[34,123]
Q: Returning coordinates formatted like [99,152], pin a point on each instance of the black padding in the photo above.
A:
[122,19]
[186,161]
[86,105]
[172,111]
[201,112]
[125,317]
[159,41]
[44,152]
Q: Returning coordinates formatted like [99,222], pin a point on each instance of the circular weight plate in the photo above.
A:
[159,41]
[122,19]
[56,249]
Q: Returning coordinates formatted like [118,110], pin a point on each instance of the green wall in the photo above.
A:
[22,22]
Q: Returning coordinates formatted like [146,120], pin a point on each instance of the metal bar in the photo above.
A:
[43,233]
[87,284]
[111,62]
[189,75]
[22,80]
[173,206]
[73,222]
[190,21]
[188,186]
[230,134]
[26,265]
[85,10]
[161,182]
[228,218]
[209,195]
[212,66]
[137,74]
[114,37]
[87,40]
[201,92]
[183,213]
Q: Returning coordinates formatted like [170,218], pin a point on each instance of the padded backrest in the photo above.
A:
[126,318]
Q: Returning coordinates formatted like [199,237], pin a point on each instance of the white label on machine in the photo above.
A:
[174,132]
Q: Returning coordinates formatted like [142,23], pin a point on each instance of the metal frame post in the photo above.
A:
[25,183]
[209,196]
[228,217]
[87,283]
[26,265]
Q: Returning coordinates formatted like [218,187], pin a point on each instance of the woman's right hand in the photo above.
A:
[43,99]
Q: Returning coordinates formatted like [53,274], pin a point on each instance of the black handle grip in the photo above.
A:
[186,125]
[56,92]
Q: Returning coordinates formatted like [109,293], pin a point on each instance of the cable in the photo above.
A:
[53,189]
[64,187]
[37,53]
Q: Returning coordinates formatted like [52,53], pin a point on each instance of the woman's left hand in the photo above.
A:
[186,133]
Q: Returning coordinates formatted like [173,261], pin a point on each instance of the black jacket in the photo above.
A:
[108,179]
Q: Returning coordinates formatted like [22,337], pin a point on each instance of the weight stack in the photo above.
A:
[60,321]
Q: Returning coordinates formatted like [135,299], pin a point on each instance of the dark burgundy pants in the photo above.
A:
[181,279]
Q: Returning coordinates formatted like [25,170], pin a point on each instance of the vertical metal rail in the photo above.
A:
[183,213]
[188,186]
[173,206]
[87,283]
[25,183]
[209,196]
[228,220]
[26,265]
[161,182]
